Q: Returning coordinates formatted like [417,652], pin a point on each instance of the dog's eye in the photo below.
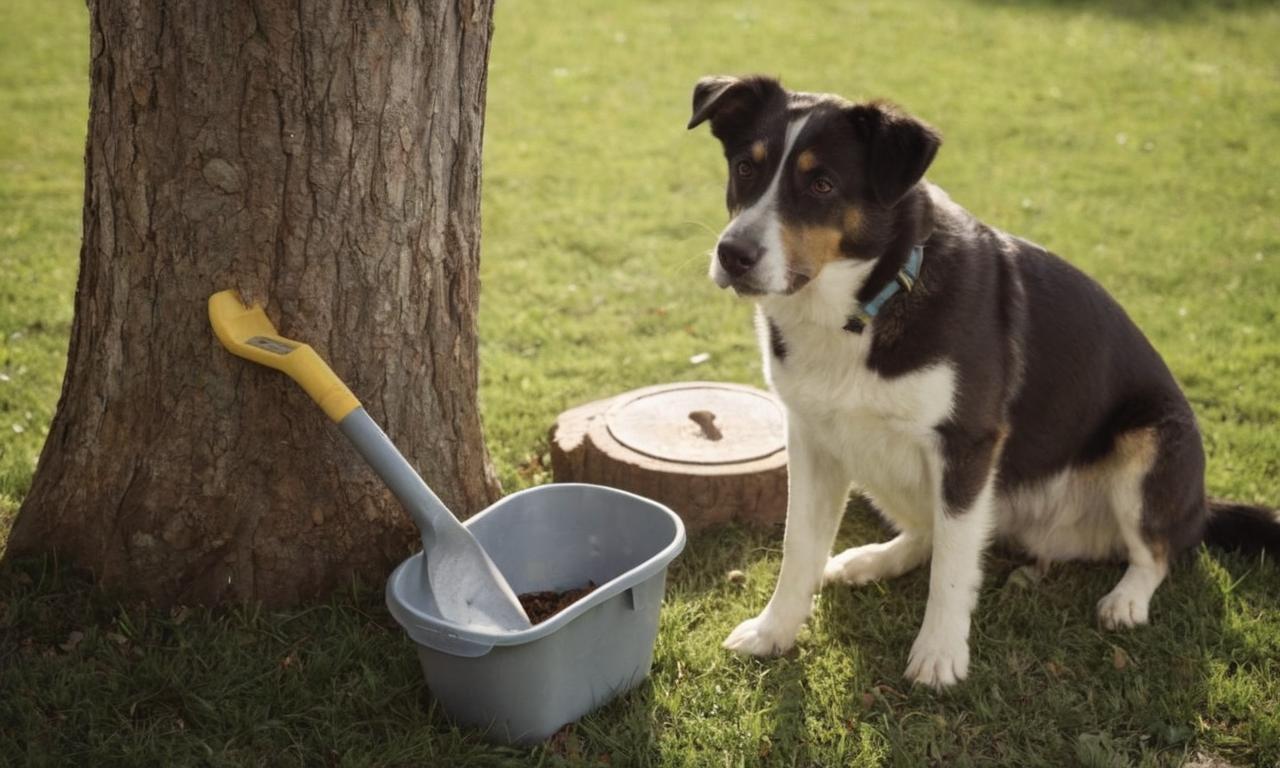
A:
[821,186]
[744,169]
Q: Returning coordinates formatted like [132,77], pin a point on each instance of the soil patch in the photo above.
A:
[541,606]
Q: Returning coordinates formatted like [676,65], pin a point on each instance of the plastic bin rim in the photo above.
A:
[409,616]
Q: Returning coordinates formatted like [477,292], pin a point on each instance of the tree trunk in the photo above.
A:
[324,157]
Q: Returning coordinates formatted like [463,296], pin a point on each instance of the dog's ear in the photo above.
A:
[725,100]
[899,148]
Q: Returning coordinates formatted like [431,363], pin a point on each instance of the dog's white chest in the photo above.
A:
[824,375]
[881,429]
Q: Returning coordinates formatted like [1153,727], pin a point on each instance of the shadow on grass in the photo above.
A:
[88,679]
[1045,678]
[108,682]
[1137,10]
[1152,695]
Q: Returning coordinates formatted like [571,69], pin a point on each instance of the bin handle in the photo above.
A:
[444,642]
[643,595]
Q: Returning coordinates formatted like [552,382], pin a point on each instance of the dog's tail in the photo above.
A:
[1243,528]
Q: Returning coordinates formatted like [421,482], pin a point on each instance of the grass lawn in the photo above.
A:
[1138,139]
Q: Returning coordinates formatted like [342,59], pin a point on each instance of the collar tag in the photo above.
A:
[857,321]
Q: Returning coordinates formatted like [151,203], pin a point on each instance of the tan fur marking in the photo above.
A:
[1090,512]
[1132,455]
[852,220]
[805,161]
[809,249]
[1136,449]
[1002,436]
[758,152]
[1131,459]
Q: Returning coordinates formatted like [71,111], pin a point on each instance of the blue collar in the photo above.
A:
[905,280]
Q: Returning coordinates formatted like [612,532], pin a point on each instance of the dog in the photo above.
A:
[971,384]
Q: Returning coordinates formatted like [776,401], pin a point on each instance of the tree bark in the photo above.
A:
[324,157]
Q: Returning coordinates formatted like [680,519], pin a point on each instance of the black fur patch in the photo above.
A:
[969,461]
[777,344]
[1243,528]
[899,148]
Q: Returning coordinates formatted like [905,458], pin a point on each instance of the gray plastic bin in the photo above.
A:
[523,686]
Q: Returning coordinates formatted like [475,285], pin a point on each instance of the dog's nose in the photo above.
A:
[737,257]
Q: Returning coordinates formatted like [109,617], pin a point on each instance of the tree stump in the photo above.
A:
[711,451]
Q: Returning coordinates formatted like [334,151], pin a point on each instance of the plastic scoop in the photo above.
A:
[465,585]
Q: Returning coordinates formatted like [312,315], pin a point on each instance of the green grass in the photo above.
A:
[1137,139]
[44,97]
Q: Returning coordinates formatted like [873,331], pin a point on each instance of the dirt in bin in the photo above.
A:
[541,606]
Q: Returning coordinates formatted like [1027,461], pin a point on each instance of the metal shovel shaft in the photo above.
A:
[466,585]
[418,499]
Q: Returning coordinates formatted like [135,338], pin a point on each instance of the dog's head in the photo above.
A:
[813,179]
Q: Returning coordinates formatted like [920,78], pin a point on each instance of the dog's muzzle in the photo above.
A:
[735,258]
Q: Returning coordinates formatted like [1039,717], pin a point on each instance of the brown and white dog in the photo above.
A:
[990,390]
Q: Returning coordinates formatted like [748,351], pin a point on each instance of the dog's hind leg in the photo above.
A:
[818,490]
[904,498]
[1128,603]
[874,562]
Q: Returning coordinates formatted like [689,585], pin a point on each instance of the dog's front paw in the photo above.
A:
[938,662]
[761,637]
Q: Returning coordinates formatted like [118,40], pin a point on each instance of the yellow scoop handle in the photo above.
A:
[248,333]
